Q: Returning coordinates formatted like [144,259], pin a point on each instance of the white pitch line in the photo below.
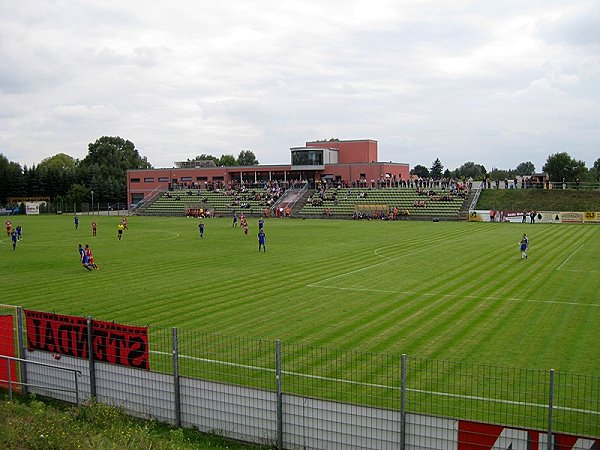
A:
[382,386]
[316,284]
[429,294]
[387,260]
[569,257]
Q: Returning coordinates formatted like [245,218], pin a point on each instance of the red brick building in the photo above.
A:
[347,162]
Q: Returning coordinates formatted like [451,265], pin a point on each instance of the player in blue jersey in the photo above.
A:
[262,240]
[85,262]
[201,229]
[76,222]
[524,245]
[13,238]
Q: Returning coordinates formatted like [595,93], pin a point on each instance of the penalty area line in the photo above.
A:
[568,257]
[428,294]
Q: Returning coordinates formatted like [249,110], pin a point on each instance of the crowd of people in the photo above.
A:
[329,197]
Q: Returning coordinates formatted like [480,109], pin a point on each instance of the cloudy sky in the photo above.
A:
[494,82]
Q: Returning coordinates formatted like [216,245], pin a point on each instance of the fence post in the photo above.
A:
[279,395]
[550,445]
[403,402]
[176,391]
[90,339]
[21,344]
[8,361]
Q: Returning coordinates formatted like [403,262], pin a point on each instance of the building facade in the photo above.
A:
[348,163]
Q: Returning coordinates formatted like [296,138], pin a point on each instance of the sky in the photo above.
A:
[493,82]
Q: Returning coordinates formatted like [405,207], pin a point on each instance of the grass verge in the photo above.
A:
[30,423]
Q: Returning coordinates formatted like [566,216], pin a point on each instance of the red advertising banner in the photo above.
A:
[67,335]
[7,348]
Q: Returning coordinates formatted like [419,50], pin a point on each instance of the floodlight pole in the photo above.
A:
[92,202]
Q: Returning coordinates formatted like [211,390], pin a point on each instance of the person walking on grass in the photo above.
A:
[201,229]
[523,246]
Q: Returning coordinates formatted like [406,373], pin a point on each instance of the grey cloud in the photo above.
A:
[577,25]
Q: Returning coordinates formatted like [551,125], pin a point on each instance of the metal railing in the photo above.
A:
[10,382]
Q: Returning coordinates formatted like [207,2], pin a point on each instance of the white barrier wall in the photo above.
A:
[250,415]
[478,215]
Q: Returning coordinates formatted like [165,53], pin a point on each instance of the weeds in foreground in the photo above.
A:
[29,423]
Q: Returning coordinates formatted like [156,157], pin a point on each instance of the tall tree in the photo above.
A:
[561,166]
[227,161]
[60,161]
[436,169]
[109,159]
[420,171]
[57,174]
[470,169]
[11,179]
[247,158]
[595,170]
[525,168]
[499,174]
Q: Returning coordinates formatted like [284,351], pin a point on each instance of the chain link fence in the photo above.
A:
[270,392]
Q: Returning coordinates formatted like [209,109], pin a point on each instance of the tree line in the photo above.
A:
[66,179]
[559,167]
[103,171]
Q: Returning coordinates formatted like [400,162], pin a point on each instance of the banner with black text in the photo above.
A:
[67,335]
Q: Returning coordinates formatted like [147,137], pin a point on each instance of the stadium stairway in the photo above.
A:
[466,205]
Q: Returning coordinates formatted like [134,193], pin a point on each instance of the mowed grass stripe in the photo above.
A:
[385,318]
[319,283]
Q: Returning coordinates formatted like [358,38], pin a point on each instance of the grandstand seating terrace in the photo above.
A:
[219,201]
[408,202]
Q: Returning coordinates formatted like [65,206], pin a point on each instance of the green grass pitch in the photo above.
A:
[449,290]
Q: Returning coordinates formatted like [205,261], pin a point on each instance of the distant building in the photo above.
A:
[195,163]
[349,162]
